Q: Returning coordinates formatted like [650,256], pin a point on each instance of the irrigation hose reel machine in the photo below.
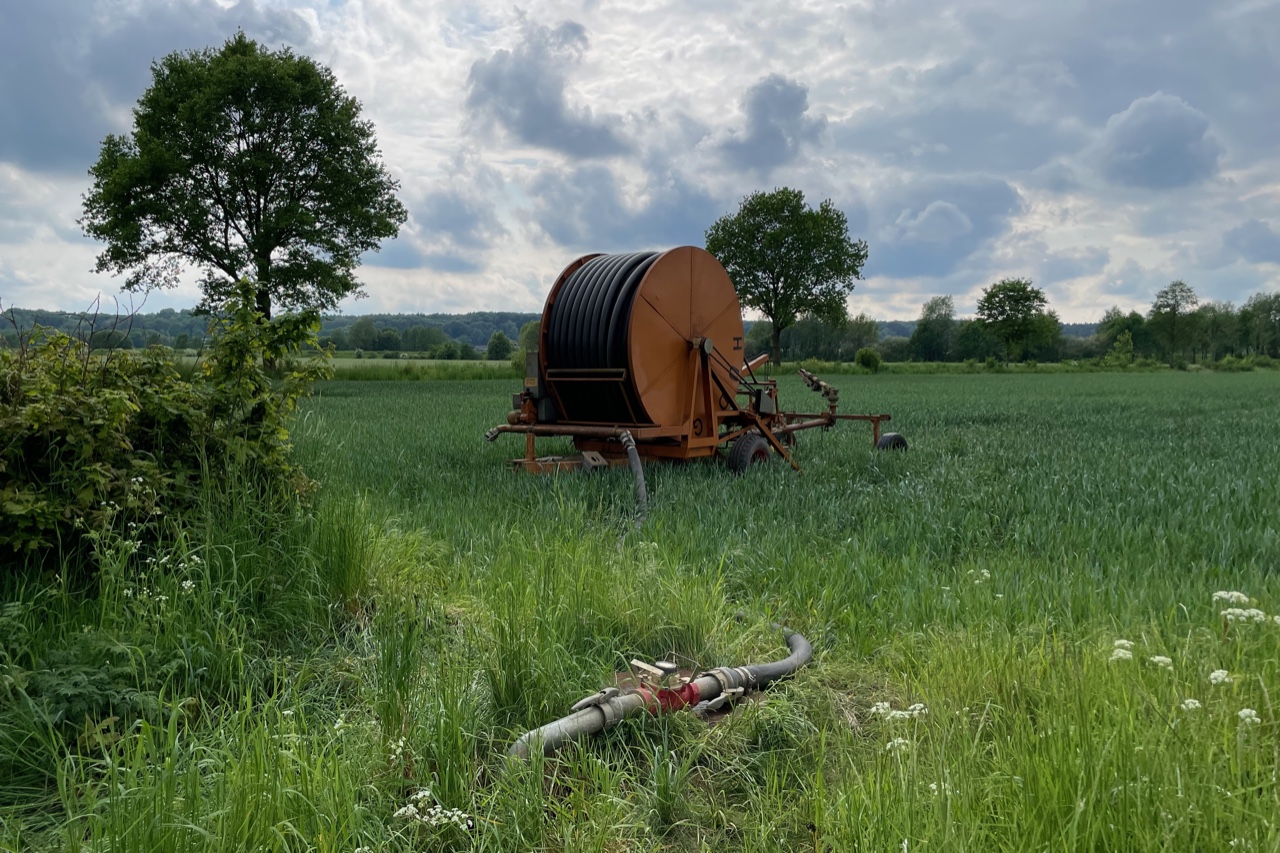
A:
[643,353]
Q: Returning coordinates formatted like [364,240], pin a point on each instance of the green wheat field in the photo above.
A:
[1051,625]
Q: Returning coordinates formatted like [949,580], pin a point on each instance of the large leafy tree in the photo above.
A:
[1014,311]
[787,259]
[1171,317]
[247,164]
[934,334]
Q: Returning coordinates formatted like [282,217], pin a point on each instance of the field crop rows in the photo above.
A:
[1017,641]
[987,574]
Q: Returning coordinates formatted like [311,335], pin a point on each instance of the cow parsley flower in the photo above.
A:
[188,585]
[1127,645]
[1248,716]
[1230,597]
[1161,661]
[879,709]
[1219,676]
[1121,654]
[898,744]
[1190,705]
[1237,614]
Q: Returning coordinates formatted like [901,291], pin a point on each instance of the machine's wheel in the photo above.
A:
[747,450]
[891,441]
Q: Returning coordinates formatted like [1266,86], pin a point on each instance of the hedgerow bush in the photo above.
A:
[867,358]
[125,437]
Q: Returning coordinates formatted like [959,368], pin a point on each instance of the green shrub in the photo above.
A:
[1231,364]
[867,358]
[86,441]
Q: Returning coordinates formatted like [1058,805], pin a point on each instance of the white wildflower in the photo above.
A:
[423,794]
[408,812]
[287,714]
[1127,645]
[1190,704]
[879,708]
[363,850]
[898,744]
[918,710]
[1230,597]
[1248,716]
[188,585]
[1162,661]
[1237,614]
[1121,654]
[1219,676]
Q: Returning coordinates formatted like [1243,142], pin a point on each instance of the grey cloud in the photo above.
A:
[66,65]
[955,138]
[776,125]
[584,208]
[523,91]
[450,262]
[1074,263]
[470,221]
[1134,281]
[1254,241]
[928,228]
[1158,142]
[398,254]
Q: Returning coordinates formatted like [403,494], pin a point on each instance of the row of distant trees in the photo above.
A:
[364,335]
[1014,321]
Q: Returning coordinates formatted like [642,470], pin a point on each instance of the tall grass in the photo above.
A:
[383,647]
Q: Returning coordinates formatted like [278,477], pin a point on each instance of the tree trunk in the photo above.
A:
[775,343]
[264,304]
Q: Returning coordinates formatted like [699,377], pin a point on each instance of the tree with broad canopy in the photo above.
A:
[247,164]
[1014,310]
[787,259]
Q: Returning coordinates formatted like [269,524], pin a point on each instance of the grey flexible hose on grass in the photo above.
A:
[642,494]
[708,691]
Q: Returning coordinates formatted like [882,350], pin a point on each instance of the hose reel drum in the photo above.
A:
[650,344]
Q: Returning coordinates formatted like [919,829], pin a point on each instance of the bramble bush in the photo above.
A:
[87,439]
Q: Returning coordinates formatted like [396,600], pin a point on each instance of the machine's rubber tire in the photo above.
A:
[891,441]
[747,450]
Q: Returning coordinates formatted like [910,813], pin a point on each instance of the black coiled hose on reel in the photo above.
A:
[587,323]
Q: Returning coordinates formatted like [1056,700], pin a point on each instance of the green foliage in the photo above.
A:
[89,441]
[1014,311]
[787,259]
[868,358]
[499,347]
[1121,353]
[933,337]
[1172,319]
[246,163]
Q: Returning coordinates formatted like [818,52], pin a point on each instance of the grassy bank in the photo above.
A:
[395,638]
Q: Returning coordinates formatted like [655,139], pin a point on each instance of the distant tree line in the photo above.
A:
[1014,322]
[462,336]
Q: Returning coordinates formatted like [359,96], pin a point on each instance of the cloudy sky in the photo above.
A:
[1100,148]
